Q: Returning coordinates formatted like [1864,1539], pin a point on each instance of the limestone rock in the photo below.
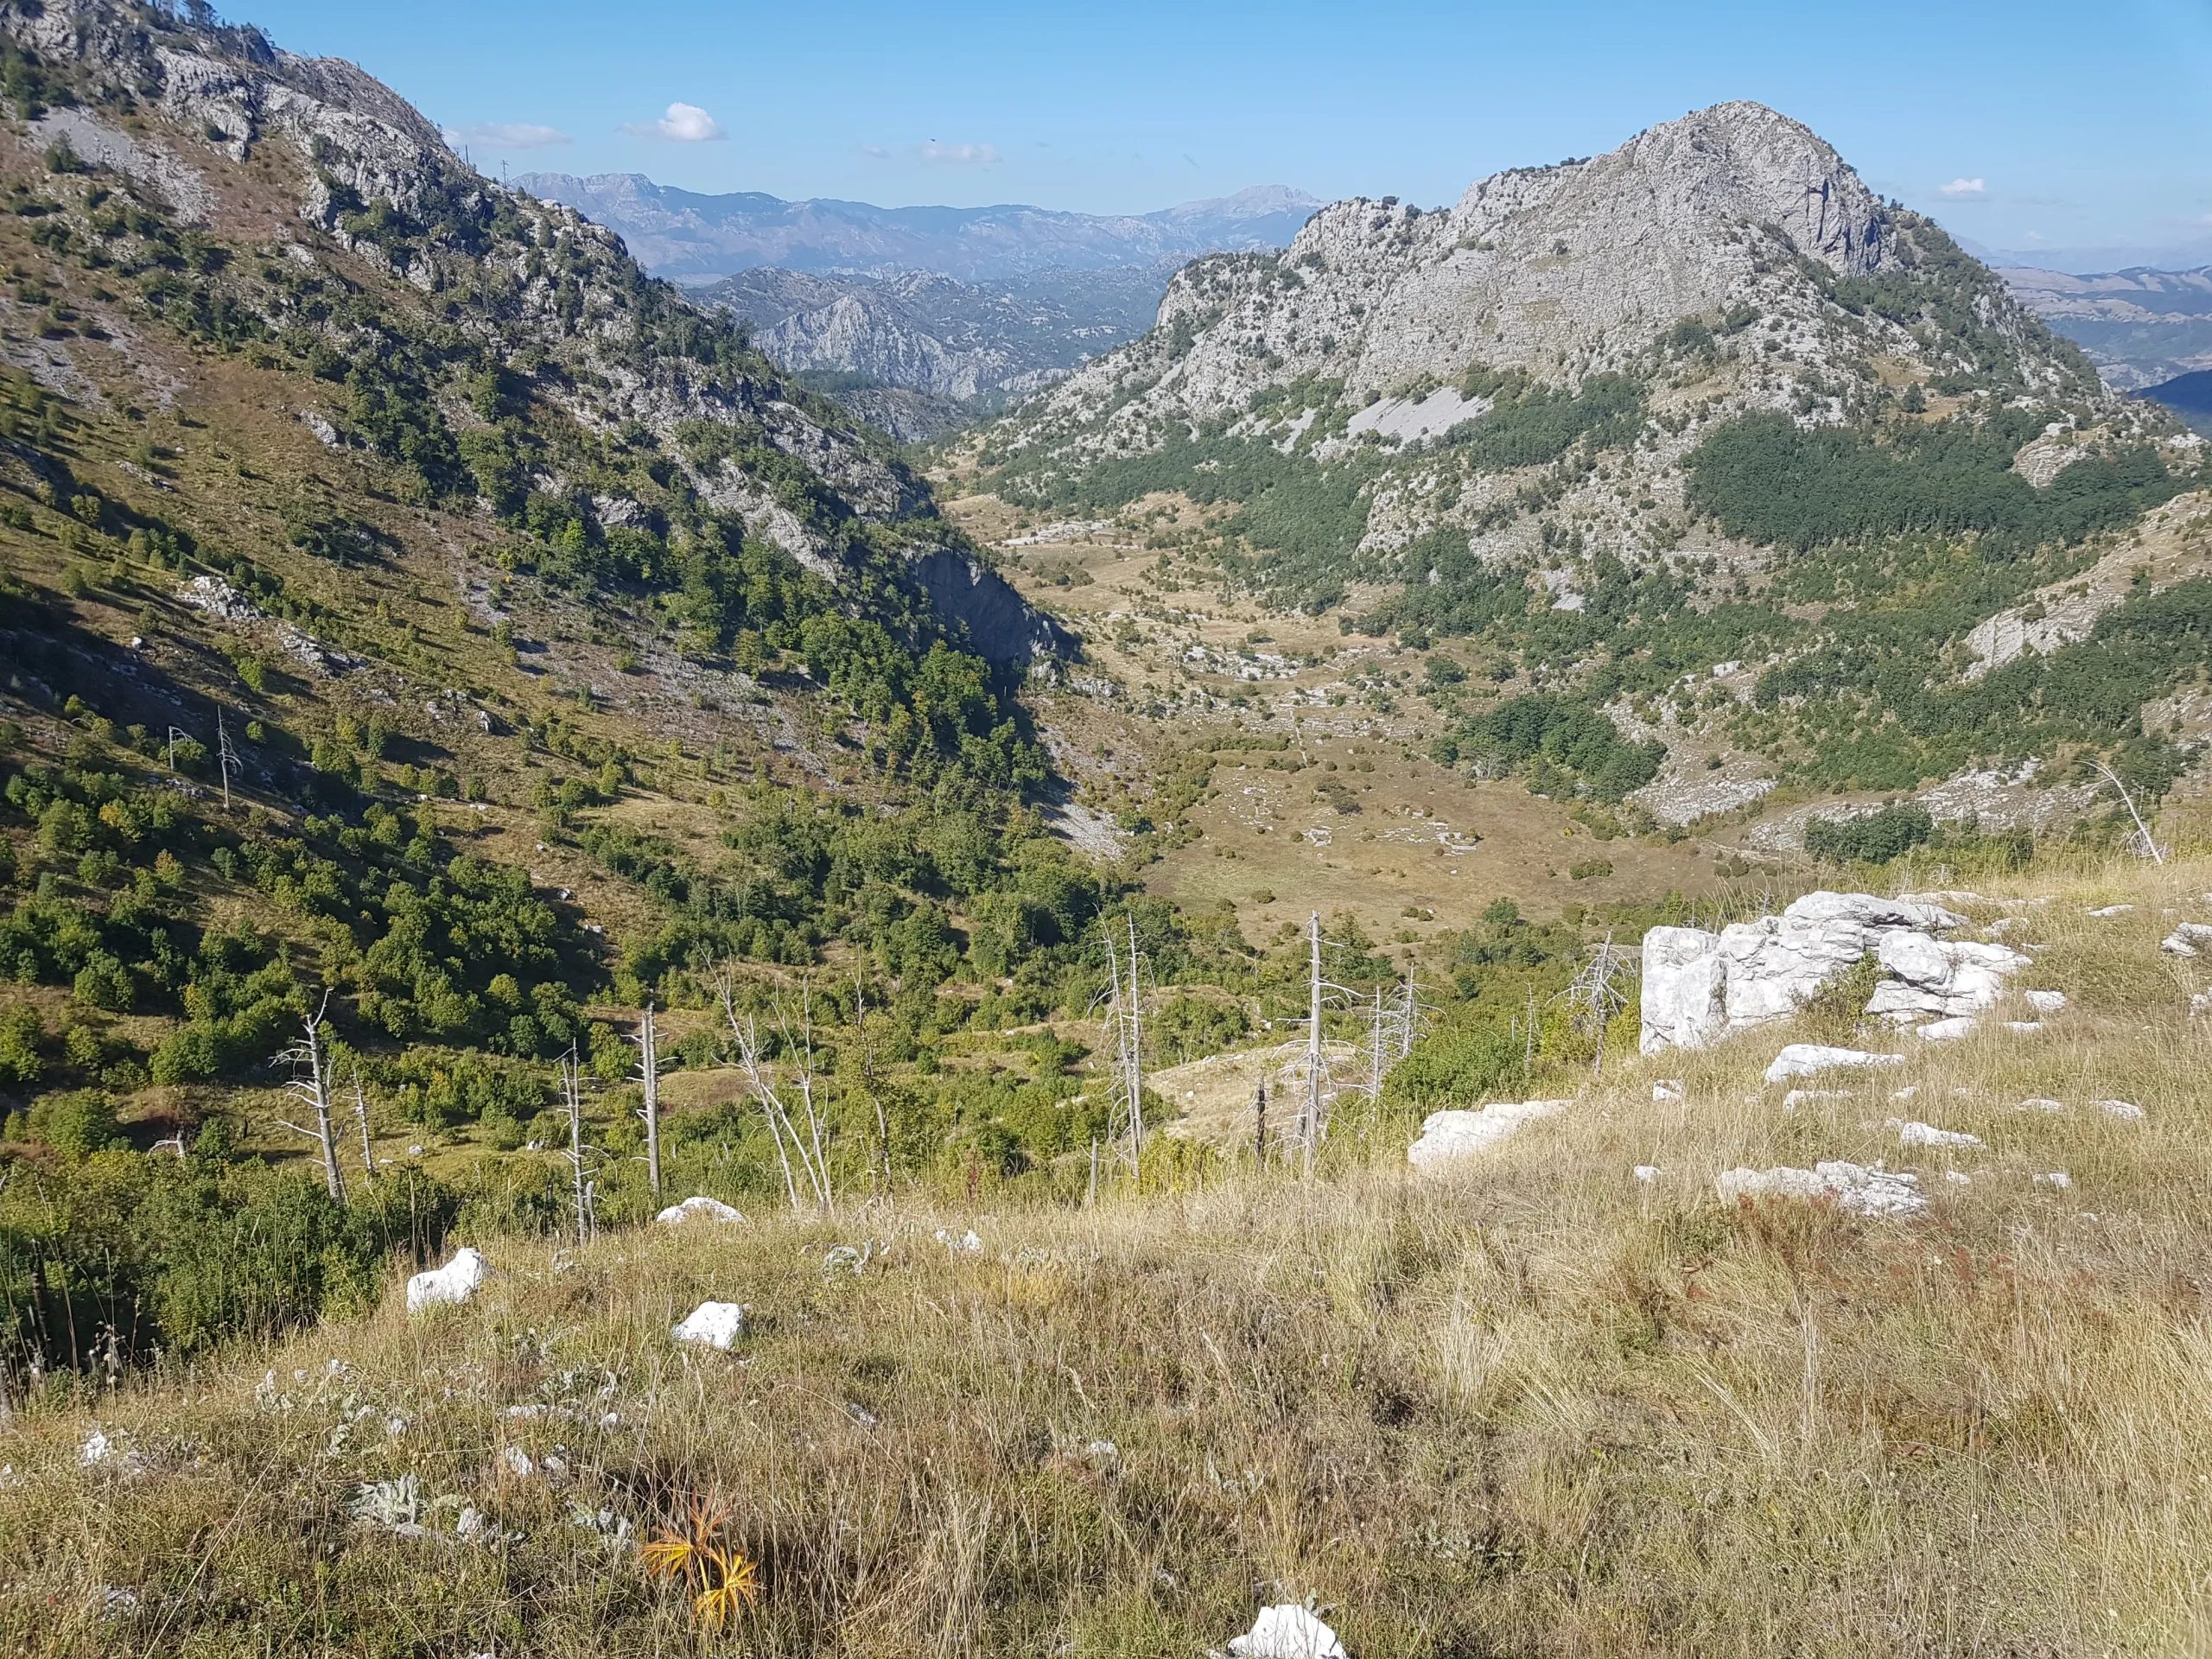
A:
[1448,1137]
[1853,1188]
[699,1209]
[1912,1132]
[712,1324]
[1698,986]
[1810,1059]
[1287,1631]
[2185,940]
[449,1286]
[1929,978]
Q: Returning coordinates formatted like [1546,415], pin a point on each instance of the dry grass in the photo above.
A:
[1536,1407]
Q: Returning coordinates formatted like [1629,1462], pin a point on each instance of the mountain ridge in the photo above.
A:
[692,236]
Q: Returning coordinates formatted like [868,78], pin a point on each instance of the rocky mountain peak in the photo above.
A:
[1742,162]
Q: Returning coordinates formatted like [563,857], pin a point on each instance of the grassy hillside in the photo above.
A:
[1536,1405]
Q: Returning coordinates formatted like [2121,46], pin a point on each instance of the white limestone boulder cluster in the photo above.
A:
[1699,986]
[1855,1189]
[1450,1137]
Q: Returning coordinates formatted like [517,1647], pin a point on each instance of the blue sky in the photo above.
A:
[2053,125]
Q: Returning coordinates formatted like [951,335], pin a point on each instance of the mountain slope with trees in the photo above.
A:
[1699,439]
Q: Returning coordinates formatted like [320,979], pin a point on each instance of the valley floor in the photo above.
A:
[1535,1405]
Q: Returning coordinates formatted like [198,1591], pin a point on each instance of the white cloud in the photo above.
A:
[1963,189]
[939,155]
[507,134]
[684,124]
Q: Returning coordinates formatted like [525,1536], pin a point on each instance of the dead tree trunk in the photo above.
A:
[648,1042]
[1309,1130]
[361,1121]
[572,1092]
[310,1059]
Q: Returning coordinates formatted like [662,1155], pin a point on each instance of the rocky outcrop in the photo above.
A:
[1001,626]
[1699,986]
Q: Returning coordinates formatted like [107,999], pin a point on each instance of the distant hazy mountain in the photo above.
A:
[2092,262]
[690,238]
[953,339]
[2141,328]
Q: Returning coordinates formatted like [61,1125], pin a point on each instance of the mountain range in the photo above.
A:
[688,237]
[2140,326]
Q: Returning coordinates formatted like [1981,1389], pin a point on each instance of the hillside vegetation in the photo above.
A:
[1651,435]
[1537,1404]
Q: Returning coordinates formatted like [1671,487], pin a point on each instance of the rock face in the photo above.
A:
[1927,978]
[1001,626]
[1699,986]
[1448,1137]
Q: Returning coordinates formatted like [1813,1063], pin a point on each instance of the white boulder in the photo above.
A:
[712,1324]
[1810,1059]
[1853,1188]
[1449,1136]
[1912,1132]
[2047,1002]
[1287,1631]
[699,1209]
[449,1286]
[2126,1110]
[1946,1031]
